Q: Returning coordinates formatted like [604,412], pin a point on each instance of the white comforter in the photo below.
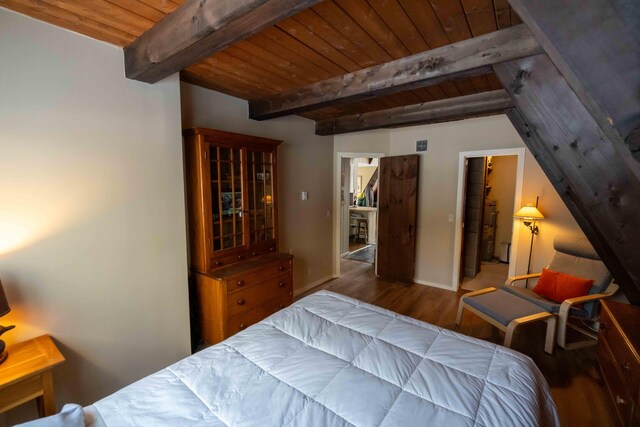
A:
[331,360]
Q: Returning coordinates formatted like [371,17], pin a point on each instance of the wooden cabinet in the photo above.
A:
[232,198]
[619,360]
[235,297]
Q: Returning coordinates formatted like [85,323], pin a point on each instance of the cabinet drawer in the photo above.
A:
[621,397]
[227,260]
[248,280]
[244,320]
[625,359]
[249,298]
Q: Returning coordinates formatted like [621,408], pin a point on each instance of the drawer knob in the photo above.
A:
[281,306]
[254,253]
[282,284]
[240,283]
[626,365]
[240,257]
[242,326]
[620,401]
[272,248]
[281,268]
[218,263]
[241,301]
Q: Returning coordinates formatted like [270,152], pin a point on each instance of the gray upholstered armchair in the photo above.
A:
[574,256]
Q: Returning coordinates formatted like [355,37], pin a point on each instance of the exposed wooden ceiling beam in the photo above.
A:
[462,59]
[456,108]
[595,44]
[198,29]
[589,170]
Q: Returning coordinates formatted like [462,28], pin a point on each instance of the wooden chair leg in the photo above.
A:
[550,340]
[460,309]
[508,336]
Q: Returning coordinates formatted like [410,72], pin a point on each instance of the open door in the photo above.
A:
[473,215]
[397,211]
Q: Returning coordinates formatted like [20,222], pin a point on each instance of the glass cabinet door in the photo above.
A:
[261,196]
[226,197]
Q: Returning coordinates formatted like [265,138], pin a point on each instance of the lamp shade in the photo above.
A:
[528,212]
[4,304]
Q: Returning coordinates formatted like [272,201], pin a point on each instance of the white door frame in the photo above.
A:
[517,202]
[336,202]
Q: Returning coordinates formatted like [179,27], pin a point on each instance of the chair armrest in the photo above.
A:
[512,279]
[568,303]
[476,293]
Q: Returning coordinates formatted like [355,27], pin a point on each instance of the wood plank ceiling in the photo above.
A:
[330,39]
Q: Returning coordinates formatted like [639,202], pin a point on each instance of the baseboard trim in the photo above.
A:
[434,285]
[312,285]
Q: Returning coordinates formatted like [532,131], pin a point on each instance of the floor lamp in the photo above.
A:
[529,214]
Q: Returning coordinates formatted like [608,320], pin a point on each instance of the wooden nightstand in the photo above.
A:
[26,375]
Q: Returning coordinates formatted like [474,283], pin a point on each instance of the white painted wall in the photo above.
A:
[304,165]
[503,189]
[438,188]
[92,223]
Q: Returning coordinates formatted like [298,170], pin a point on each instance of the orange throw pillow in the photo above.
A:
[559,286]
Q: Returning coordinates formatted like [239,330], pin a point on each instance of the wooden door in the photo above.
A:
[397,211]
[473,213]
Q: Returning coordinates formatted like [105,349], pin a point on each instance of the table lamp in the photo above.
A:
[4,309]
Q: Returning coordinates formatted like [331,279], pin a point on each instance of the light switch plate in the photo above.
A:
[421,145]
[305,195]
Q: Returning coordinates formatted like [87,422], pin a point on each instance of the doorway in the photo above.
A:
[355,200]
[489,191]
[359,201]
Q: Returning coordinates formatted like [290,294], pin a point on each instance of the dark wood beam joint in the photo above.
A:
[457,108]
[463,59]
[198,29]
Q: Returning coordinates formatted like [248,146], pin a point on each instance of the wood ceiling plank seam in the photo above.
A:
[198,79]
[332,35]
[424,94]
[465,86]
[480,16]
[352,31]
[283,52]
[232,81]
[450,89]
[397,19]
[82,8]
[140,9]
[481,83]
[165,6]
[278,35]
[70,21]
[110,10]
[362,12]
[256,56]
[220,78]
[454,22]
[313,41]
[426,21]
[494,83]
[481,20]
[437,92]
[502,13]
[236,67]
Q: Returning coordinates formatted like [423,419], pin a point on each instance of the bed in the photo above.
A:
[331,360]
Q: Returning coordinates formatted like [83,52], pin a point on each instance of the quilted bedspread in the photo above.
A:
[331,360]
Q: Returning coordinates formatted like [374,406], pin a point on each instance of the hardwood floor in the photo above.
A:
[579,393]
